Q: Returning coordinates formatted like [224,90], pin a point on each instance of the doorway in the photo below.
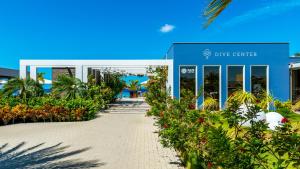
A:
[295,85]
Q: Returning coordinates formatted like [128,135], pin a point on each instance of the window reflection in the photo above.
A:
[188,79]
[295,85]
[258,80]
[235,77]
[212,82]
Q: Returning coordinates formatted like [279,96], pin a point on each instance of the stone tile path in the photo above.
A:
[121,138]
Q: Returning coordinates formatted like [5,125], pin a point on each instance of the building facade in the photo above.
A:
[211,69]
[219,69]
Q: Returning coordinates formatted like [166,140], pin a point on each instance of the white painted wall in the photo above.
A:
[81,66]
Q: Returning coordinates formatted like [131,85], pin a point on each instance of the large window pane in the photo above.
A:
[235,79]
[295,85]
[188,79]
[212,82]
[258,80]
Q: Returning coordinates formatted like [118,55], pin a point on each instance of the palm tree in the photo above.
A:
[134,87]
[69,87]
[24,88]
[214,9]
[40,77]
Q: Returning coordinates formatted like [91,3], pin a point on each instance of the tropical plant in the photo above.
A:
[297,54]
[69,87]
[114,82]
[157,93]
[241,97]
[23,88]
[284,108]
[218,140]
[210,104]
[134,85]
[40,77]
[214,9]
[205,139]
[22,100]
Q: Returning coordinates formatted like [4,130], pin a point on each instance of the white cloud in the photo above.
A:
[167,28]
[263,12]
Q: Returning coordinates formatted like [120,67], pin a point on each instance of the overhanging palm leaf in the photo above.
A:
[213,10]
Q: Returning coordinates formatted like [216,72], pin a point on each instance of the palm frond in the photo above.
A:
[210,104]
[25,88]
[242,97]
[265,99]
[214,9]
[68,87]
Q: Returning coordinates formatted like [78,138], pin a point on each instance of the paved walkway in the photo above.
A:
[121,138]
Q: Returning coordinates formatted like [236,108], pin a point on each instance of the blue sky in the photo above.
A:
[112,29]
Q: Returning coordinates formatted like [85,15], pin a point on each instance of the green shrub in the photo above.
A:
[157,93]
[284,108]
[71,100]
[210,139]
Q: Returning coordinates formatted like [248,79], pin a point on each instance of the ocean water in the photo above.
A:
[126,93]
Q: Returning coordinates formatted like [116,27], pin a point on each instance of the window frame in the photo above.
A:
[196,81]
[244,83]
[267,78]
[220,83]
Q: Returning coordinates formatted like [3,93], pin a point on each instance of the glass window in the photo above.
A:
[212,82]
[258,80]
[295,73]
[188,79]
[235,79]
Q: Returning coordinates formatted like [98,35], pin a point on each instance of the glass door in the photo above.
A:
[295,85]
[212,83]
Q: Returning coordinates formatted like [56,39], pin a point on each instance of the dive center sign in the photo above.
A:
[208,53]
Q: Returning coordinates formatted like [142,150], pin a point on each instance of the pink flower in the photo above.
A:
[209,165]
[165,126]
[201,120]
[192,106]
[284,120]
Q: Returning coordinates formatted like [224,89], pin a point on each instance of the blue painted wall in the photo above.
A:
[275,55]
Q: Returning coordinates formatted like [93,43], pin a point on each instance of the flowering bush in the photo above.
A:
[71,100]
[218,139]
[49,109]
[157,94]
[207,139]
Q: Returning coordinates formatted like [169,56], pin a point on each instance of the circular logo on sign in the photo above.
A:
[206,53]
[183,71]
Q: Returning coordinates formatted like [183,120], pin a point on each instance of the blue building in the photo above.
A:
[219,69]
[222,68]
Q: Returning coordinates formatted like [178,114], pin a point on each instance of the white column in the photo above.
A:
[85,74]
[170,83]
[78,72]
[33,74]
[23,72]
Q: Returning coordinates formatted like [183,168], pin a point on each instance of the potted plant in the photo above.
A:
[133,88]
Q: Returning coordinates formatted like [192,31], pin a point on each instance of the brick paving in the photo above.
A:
[121,138]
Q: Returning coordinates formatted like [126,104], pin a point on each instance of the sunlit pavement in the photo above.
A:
[120,138]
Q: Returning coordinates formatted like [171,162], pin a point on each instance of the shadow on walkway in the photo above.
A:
[49,157]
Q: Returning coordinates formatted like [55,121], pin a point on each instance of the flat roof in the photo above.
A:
[5,72]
